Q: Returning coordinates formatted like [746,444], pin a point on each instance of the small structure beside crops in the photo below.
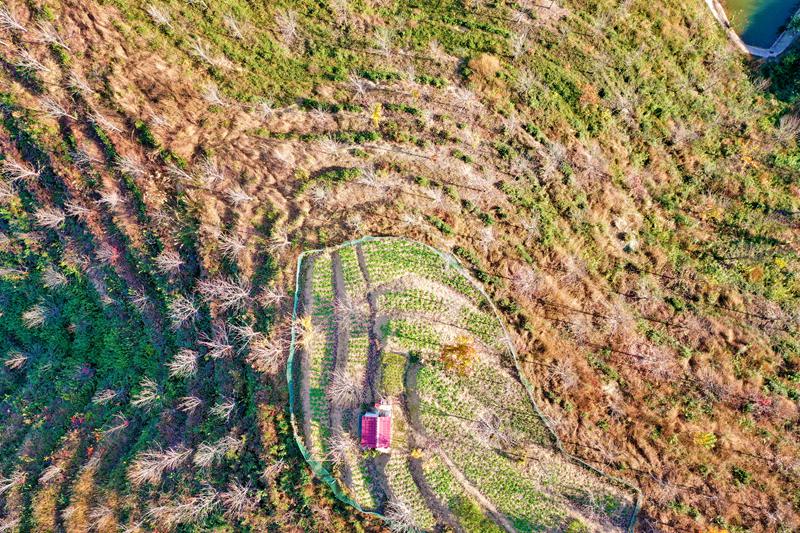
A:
[376,428]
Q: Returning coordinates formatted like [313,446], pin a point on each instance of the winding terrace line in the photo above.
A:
[305,387]
[412,398]
[375,467]
[340,344]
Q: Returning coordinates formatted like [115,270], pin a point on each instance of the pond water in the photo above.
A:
[760,22]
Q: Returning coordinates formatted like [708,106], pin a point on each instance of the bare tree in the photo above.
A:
[218,344]
[232,246]
[518,44]
[527,282]
[15,361]
[272,472]
[279,241]
[104,396]
[345,390]
[50,218]
[263,109]
[49,35]
[36,315]
[147,395]
[340,9]
[79,84]
[266,355]
[188,404]
[359,85]
[186,510]
[118,423]
[228,294]
[436,51]
[7,191]
[9,523]
[233,27]
[28,61]
[223,409]
[180,175]
[286,21]
[562,374]
[104,122]
[76,210]
[49,474]
[159,16]
[340,447]
[210,172]
[54,109]
[16,480]
[148,467]
[370,178]
[245,334]
[129,165]
[184,364]
[212,96]
[17,171]
[53,279]
[106,253]
[400,517]
[203,53]
[383,40]
[182,310]
[102,518]
[208,453]
[237,196]
[789,127]
[169,262]
[271,296]
[9,22]
[238,500]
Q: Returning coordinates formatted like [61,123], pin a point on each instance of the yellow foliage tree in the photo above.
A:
[459,356]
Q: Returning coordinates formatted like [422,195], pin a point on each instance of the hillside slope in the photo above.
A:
[623,183]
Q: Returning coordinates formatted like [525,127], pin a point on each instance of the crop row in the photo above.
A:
[399,478]
[354,283]
[500,479]
[453,496]
[360,480]
[412,300]
[320,356]
[392,259]
[411,335]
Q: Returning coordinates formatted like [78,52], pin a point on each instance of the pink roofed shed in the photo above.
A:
[376,429]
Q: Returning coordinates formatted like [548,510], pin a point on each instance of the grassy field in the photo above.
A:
[620,180]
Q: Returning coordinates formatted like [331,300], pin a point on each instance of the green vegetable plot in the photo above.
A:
[395,322]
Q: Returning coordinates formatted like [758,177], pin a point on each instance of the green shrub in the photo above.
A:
[440,224]
[393,373]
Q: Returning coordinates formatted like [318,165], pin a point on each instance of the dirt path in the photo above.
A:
[372,392]
[305,387]
[371,388]
[341,341]
[412,406]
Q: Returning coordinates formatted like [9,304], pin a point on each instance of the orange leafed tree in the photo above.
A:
[459,356]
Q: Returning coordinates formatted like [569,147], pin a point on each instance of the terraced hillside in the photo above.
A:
[470,450]
[622,182]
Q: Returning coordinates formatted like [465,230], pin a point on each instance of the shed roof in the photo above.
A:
[376,431]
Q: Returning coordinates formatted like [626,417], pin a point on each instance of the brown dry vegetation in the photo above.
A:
[641,329]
